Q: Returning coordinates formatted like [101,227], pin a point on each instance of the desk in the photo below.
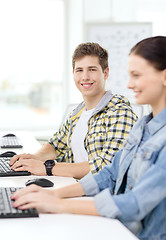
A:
[30,145]
[57,226]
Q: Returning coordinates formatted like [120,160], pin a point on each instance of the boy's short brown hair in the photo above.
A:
[91,49]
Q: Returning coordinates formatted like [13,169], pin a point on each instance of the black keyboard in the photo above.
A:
[6,171]
[6,208]
[10,142]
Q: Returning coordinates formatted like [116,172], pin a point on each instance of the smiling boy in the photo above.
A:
[93,132]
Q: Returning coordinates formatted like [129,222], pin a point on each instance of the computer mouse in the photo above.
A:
[8,154]
[10,135]
[42,182]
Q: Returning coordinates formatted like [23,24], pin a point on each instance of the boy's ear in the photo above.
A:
[106,73]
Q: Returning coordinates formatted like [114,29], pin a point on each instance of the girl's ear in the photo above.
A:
[164,73]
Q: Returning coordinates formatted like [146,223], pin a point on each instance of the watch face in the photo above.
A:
[49,163]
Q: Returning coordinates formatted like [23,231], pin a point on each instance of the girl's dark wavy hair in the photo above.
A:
[152,49]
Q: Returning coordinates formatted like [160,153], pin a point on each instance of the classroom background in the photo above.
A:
[37,41]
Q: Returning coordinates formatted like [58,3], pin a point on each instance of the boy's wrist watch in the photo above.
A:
[49,164]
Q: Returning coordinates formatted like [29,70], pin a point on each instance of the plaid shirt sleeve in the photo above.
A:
[59,140]
[107,135]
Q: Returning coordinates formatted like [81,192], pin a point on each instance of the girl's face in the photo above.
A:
[148,83]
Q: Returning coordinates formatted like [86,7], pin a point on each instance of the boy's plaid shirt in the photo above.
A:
[107,129]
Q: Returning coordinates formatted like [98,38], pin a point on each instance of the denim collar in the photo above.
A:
[156,123]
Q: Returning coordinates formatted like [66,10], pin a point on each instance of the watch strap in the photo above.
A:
[49,164]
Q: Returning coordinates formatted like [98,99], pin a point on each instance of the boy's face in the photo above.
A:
[89,77]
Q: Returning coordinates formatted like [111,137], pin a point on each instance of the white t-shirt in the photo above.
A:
[78,136]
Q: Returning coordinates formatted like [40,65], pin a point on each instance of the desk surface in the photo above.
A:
[30,144]
[59,226]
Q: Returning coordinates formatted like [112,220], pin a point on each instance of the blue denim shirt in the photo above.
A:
[142,204]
